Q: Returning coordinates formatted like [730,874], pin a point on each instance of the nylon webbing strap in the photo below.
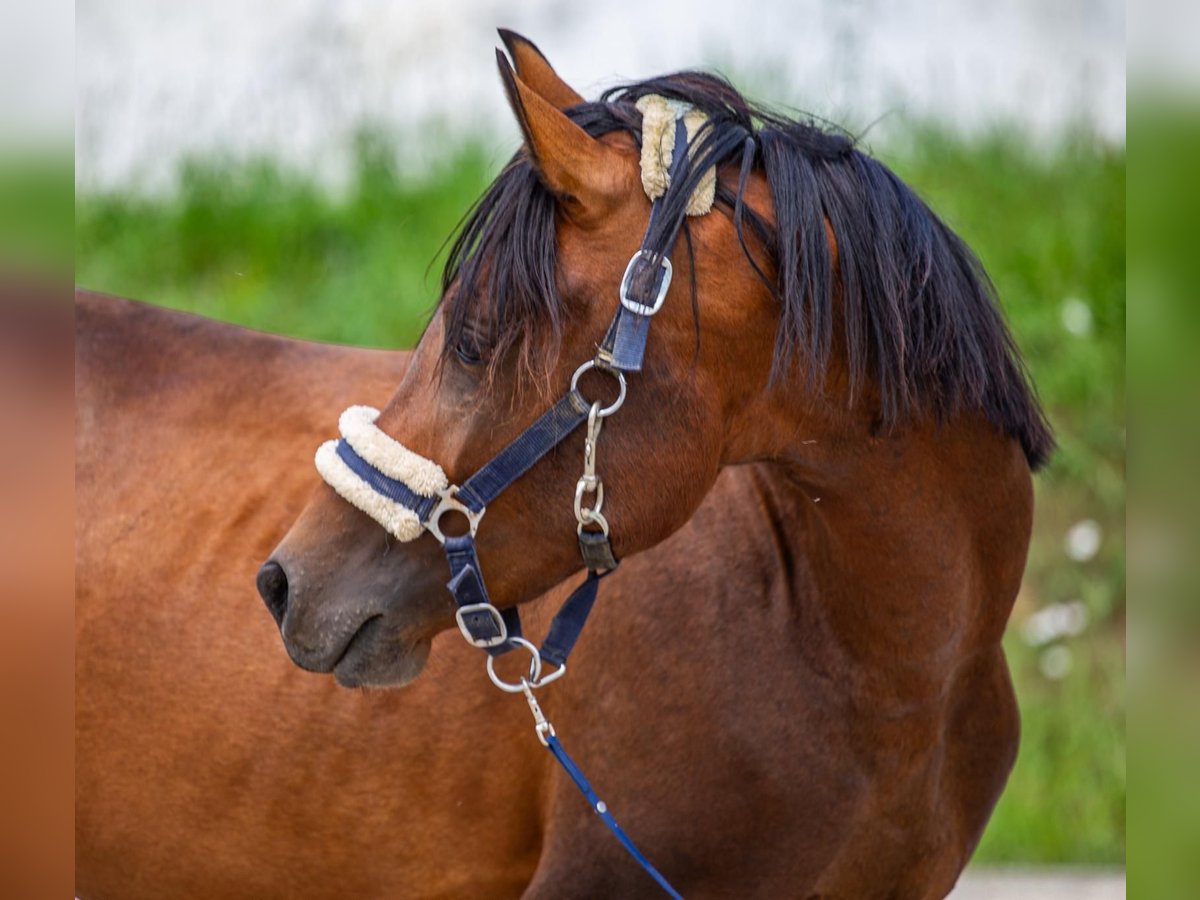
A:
[476,612]
[382,484]
[624,346]
[519,457]
[597,551]
[485,623]
[568,623]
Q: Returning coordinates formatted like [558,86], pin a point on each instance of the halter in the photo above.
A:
[408,494]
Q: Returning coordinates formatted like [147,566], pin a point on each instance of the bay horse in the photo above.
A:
[819,487]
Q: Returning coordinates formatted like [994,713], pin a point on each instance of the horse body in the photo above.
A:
[725,700]
[846,710]
[819,484]
[207,764]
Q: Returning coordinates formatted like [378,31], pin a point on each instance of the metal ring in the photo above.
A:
[535,669]
[580,490]
[615,373]
[543,681]
[450,503]
[594,517]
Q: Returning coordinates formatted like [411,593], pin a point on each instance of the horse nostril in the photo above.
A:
[273,588]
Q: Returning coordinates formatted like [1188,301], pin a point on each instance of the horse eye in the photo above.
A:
[469,348]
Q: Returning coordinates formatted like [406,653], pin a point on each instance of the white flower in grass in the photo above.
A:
[1055,662]
[1076,316]
[1056,621]
[1083,540]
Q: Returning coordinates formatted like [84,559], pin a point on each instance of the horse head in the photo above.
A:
[817,300]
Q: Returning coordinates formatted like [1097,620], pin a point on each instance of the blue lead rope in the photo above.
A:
[601,809]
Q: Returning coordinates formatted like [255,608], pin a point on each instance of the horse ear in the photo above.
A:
[572,163]
[533,69]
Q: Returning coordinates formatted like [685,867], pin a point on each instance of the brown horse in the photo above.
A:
[792,686]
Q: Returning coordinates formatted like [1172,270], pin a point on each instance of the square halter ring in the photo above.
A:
[449,502]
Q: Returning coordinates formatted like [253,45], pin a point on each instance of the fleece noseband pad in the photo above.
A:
[396,463]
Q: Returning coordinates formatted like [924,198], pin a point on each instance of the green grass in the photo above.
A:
[1050,229]
[1066,799]
[256,244]
[35,210]
[264,247]
[1164,132]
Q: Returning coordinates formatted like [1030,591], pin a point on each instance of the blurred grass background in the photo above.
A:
[1164,511]
[257,244]
[36,210]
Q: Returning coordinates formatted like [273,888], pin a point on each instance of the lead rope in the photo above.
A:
[545,733]
[590,483]
[597,553]
[595,546]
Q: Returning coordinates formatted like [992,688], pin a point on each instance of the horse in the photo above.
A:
[819,491]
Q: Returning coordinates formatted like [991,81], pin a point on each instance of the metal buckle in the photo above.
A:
[641,308]
[449,503]
[497,619]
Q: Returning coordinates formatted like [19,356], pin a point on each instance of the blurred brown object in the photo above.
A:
[36,585]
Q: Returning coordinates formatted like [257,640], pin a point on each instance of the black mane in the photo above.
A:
[919,314]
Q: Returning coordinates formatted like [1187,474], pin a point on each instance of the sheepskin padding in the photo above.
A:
[420,475]
[399,521]
[659,115]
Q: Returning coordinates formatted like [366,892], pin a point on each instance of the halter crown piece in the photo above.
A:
[659,116]
[408,494]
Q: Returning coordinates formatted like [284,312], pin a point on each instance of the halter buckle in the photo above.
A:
[497,622]
[643,309]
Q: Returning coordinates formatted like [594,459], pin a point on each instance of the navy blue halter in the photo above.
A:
[622,350]
[497,631]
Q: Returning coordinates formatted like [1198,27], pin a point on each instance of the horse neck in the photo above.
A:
[906,549]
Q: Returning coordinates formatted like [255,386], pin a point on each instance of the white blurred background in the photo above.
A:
[294,79]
